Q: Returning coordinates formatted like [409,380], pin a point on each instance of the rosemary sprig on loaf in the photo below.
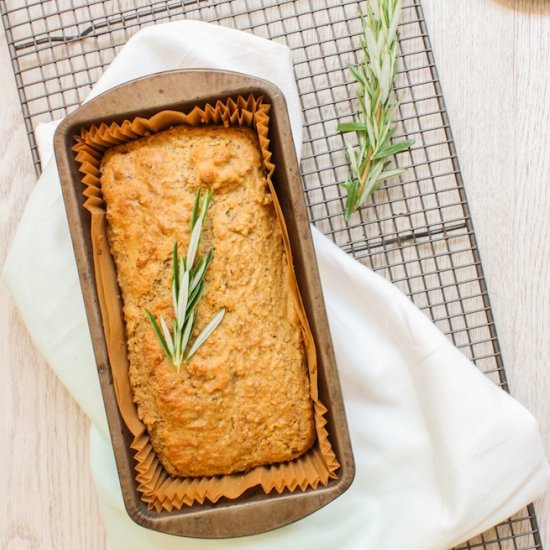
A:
[374,123]
[187,290]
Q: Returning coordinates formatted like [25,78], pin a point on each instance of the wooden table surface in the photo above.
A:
[493,58]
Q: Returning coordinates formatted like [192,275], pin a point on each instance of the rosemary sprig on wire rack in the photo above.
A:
[187,290]
[374,123]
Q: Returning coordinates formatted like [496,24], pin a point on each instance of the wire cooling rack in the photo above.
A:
[416,231]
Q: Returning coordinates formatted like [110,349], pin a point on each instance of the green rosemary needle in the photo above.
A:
[374,123]
[187,290]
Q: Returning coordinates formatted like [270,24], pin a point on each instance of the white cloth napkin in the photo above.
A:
[442,453]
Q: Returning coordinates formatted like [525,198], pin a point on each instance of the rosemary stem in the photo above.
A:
[188,273]
[365,173]
[374,124]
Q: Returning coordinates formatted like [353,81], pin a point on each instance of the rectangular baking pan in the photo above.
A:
[254,512]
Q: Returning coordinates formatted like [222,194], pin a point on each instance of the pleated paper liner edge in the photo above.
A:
[159,489]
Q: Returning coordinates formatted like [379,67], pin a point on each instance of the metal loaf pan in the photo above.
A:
[253,512]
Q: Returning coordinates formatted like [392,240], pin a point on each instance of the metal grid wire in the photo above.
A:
[416,231]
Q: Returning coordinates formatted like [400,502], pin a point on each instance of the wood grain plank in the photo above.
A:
[49,500]
[494,64]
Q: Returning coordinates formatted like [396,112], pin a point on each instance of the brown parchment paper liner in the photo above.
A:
[158,488]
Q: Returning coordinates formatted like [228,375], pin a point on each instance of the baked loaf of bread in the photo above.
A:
[243,399]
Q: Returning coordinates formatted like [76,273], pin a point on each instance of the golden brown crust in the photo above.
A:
[243,400]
